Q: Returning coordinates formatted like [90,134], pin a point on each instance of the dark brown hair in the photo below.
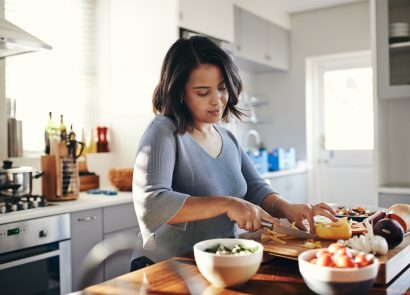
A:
[182,58]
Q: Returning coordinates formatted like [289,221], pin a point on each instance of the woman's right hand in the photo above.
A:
[247,215]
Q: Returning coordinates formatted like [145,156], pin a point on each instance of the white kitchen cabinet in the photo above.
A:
[259,44]
[392,103]
[90,227]
[120,219]
[212,17]
[393,60]
[86,231]
[291,187]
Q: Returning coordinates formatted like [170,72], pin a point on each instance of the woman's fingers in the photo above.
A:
[325,213]
[269,218]
[326,207]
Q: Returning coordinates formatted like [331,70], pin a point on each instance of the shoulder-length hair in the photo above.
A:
[181,59]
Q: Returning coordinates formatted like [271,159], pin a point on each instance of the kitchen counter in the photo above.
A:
[84,202]
[275,276]
[301,167]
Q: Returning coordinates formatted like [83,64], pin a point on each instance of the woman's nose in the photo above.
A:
[217,97]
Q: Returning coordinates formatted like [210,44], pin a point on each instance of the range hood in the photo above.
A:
[14,40]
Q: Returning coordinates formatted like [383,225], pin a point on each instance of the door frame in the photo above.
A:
[314,66]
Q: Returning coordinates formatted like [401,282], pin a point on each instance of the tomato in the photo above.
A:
[321,252]
[341,252]
[361,260]
[344,261]
[334,247]
[324,260]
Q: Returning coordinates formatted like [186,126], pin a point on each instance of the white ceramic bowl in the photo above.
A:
[227,270]
[336,281]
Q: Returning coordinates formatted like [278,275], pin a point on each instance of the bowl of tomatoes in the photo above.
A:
[338,270]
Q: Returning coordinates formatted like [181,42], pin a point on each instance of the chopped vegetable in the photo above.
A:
[239,249]
[273,236]
[335,230]
[312,244]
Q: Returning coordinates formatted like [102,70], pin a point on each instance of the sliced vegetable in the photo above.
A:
[335,230]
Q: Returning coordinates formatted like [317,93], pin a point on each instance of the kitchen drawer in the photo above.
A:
[119,217]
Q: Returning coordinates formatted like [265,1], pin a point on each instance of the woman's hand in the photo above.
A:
[247,215]
[299,212]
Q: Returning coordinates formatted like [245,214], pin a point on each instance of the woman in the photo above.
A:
[192,180]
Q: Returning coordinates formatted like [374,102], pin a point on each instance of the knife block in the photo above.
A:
[61,181]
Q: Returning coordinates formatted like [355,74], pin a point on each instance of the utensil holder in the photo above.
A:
[61,180]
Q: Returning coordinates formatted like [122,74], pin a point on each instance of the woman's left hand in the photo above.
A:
[299,212]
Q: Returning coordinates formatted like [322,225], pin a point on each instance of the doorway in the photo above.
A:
[340,134]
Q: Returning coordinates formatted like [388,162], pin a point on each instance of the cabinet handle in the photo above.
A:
[88,218]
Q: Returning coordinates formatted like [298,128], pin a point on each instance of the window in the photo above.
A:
[348,109]
[60,80]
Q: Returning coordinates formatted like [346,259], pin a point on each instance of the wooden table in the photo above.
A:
[275,276]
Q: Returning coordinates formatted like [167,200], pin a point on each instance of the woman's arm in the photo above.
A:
[244,213]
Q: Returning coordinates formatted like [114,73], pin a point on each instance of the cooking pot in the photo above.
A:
[17,181]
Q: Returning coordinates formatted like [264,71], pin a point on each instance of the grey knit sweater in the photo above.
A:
[168,169]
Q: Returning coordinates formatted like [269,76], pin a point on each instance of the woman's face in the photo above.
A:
[206,95]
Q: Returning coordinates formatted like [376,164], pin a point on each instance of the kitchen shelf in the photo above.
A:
[395,188]
[400,47]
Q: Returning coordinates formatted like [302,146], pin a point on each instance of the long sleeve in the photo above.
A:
[155,201]
[258,189]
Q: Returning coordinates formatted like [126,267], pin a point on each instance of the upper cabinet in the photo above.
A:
[259,44]
[393,48]
[212,17]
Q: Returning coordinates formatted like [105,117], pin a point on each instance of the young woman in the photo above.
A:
[192,180]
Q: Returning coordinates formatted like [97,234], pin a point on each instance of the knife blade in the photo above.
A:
[297,233]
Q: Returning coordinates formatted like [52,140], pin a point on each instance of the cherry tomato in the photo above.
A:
[321,252]
[341,252]
[334,247]
[344,261]
[361,260]
[324,260]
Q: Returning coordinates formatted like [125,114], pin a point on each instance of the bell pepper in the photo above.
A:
[340,229]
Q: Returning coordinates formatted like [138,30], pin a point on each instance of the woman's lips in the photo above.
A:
[215,112]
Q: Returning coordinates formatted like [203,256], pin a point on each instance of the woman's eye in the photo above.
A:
[202,93]
[222,87]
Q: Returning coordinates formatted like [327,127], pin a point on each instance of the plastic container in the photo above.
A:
[281,159]
[259,159]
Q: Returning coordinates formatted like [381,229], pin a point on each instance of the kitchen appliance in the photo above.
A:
[8,204]
[14,40]
[35,256]
[17,181]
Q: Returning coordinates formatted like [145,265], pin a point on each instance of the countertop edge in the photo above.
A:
[84,202]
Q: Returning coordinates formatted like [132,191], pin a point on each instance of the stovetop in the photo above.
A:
[13,204]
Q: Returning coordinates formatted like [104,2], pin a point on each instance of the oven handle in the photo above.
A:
[29,259]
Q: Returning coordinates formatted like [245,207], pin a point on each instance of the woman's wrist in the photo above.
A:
[275,205]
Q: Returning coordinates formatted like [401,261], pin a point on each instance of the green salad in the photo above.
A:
[239,249]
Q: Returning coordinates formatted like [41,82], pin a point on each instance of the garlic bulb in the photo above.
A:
[369,242]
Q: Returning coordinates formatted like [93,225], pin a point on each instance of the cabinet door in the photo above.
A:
[211,17]
[392,63]
[119,263]
[252,31]
[86,231]
[278,46]
[291,187]
[119,217]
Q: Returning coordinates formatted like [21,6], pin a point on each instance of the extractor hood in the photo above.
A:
[14,40]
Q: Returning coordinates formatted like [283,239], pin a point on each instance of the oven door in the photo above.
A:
[44,269]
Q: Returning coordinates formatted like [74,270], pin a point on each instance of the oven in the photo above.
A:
[35,256]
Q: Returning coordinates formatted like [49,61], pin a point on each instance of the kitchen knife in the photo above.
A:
[297,233]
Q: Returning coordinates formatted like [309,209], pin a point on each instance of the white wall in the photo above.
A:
[139,34]
[327,31]
[3,115]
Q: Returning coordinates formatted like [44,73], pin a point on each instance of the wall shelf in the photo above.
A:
[400,47]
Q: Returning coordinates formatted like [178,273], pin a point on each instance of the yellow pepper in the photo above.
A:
[340,229]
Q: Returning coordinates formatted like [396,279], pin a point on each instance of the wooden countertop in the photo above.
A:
[275,276]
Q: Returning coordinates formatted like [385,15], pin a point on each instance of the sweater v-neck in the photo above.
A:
[219,156]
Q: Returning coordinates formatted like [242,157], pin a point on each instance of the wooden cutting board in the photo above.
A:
[391,264]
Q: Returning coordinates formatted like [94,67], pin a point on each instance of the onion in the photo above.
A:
[391,230]
[402,210]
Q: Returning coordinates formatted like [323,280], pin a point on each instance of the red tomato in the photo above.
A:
[334,247]
[324,260]
[341,252]
[344,261]
[321,252]
[361,260]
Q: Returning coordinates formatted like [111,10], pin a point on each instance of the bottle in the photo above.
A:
[92,145]
[63,150]
[49,132]
[84,140]
[63,129]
